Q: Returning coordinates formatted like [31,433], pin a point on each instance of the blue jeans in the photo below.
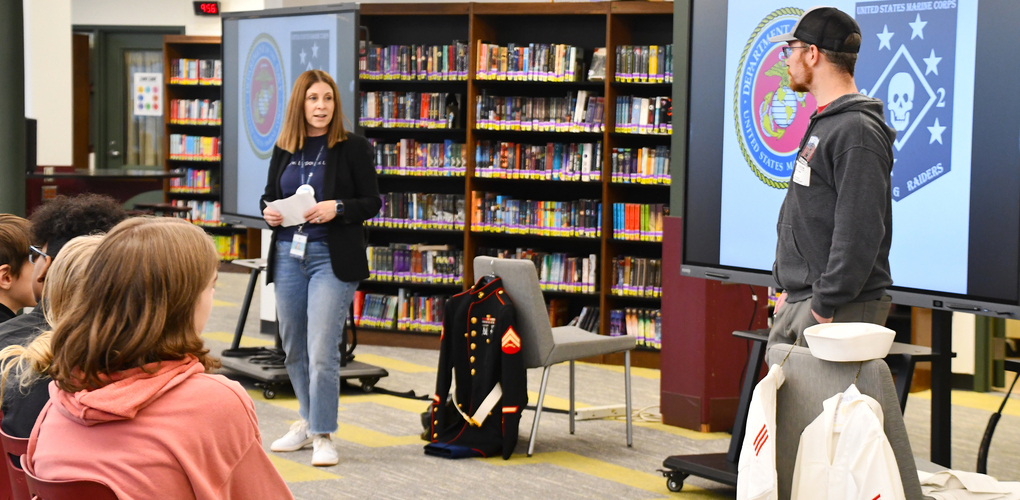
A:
[312,305]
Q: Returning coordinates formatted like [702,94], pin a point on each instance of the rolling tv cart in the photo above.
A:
[265,364]
[722,467]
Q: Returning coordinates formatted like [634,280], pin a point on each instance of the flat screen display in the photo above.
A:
[264,52]
[948,91]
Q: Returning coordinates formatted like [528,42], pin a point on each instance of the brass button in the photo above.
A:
[481,294]
[472,359]
[435,422]
[490,413]
[474,333]
[472,346]
[501,293]
[465,334]
[474,320]
[460,406]
[436,435]
[486,341]
[472,372]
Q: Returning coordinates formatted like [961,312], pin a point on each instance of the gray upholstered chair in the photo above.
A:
[544,346]
[809,382]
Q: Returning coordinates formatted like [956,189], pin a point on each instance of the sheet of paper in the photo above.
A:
[293,209]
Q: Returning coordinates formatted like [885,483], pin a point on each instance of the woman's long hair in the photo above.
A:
[292,137]
[62,281]
[136,304]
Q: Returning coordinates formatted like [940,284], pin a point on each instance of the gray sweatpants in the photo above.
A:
[794,317]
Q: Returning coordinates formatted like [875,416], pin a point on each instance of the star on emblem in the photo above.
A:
[931,63]
[303,54]
[884,37]
[918,28]
[315,50]
[936,132]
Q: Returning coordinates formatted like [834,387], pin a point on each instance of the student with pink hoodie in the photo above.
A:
[131,404]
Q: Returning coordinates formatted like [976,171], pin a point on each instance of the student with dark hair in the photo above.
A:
[132,403]
[15,266]
[54,224]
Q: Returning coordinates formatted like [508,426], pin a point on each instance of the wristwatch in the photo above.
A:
[339,207]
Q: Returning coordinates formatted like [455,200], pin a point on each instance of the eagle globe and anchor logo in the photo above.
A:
[264,95]
[770,118]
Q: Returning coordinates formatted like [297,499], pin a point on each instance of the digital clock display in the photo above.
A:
[207,8]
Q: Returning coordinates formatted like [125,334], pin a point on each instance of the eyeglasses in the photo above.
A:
[35,253]
[788,50]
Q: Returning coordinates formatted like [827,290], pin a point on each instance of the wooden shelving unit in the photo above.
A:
[196,47]
[586,25]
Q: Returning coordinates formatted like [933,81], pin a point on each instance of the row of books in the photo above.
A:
[643,324]
[194,181]
[537,62]
[553,161]
[196,72]
[420,211]
[416,263]
[404,311]
[638,221]
[580,111]
[414,62]
[194,147]
[557,272]
[644,63]
[203,213]
[429,159]
[196,112]
[497,213]
[229,246]
[637,276]
[390,109]
[588,319]
[641,165]
[644,115]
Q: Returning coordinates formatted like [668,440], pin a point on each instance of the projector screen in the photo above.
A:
[263,54]
[941,69]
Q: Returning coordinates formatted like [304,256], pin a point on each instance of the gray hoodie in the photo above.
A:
[834,235]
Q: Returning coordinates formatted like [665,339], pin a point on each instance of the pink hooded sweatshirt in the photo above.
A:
[174,433]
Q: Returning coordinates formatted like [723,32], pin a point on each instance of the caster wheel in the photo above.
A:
[268,393]
[368,384]
[673,484]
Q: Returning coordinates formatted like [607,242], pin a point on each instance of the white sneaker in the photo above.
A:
[324,454]
[295,439]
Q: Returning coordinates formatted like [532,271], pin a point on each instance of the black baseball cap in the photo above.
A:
[826,27]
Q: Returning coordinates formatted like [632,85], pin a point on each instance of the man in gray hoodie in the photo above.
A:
[835,225]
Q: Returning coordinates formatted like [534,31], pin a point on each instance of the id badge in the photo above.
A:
[297,246]
[802,172]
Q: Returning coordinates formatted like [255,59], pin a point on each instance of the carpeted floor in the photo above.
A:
[381,452]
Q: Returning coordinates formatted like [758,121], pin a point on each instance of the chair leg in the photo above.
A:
[538,411]
[630,423]
[571,396]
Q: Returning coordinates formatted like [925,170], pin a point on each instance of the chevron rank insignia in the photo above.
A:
[511,342]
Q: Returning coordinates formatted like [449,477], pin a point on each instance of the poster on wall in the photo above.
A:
[147,94]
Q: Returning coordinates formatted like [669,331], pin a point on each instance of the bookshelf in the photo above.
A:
[193,126]
[560,29]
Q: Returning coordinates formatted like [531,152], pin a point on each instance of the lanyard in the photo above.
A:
[310,174]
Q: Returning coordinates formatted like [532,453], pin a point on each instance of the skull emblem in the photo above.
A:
[901,100]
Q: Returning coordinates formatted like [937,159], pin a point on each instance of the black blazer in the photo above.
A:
[350,177]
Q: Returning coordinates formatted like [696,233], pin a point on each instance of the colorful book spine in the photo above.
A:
[414,62]
[557,272]
[194,148]
[405,311]
[417,159]
[645,325]
[203,213]
[195,181]
[196,112]
[638,222]
[534,62]
[196,72]
[646,165]
[644,63]
[423,211]
[492,212]
[577,112]
[644,115]
[637,277]
[552,161]
[402,263]
[389,109]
